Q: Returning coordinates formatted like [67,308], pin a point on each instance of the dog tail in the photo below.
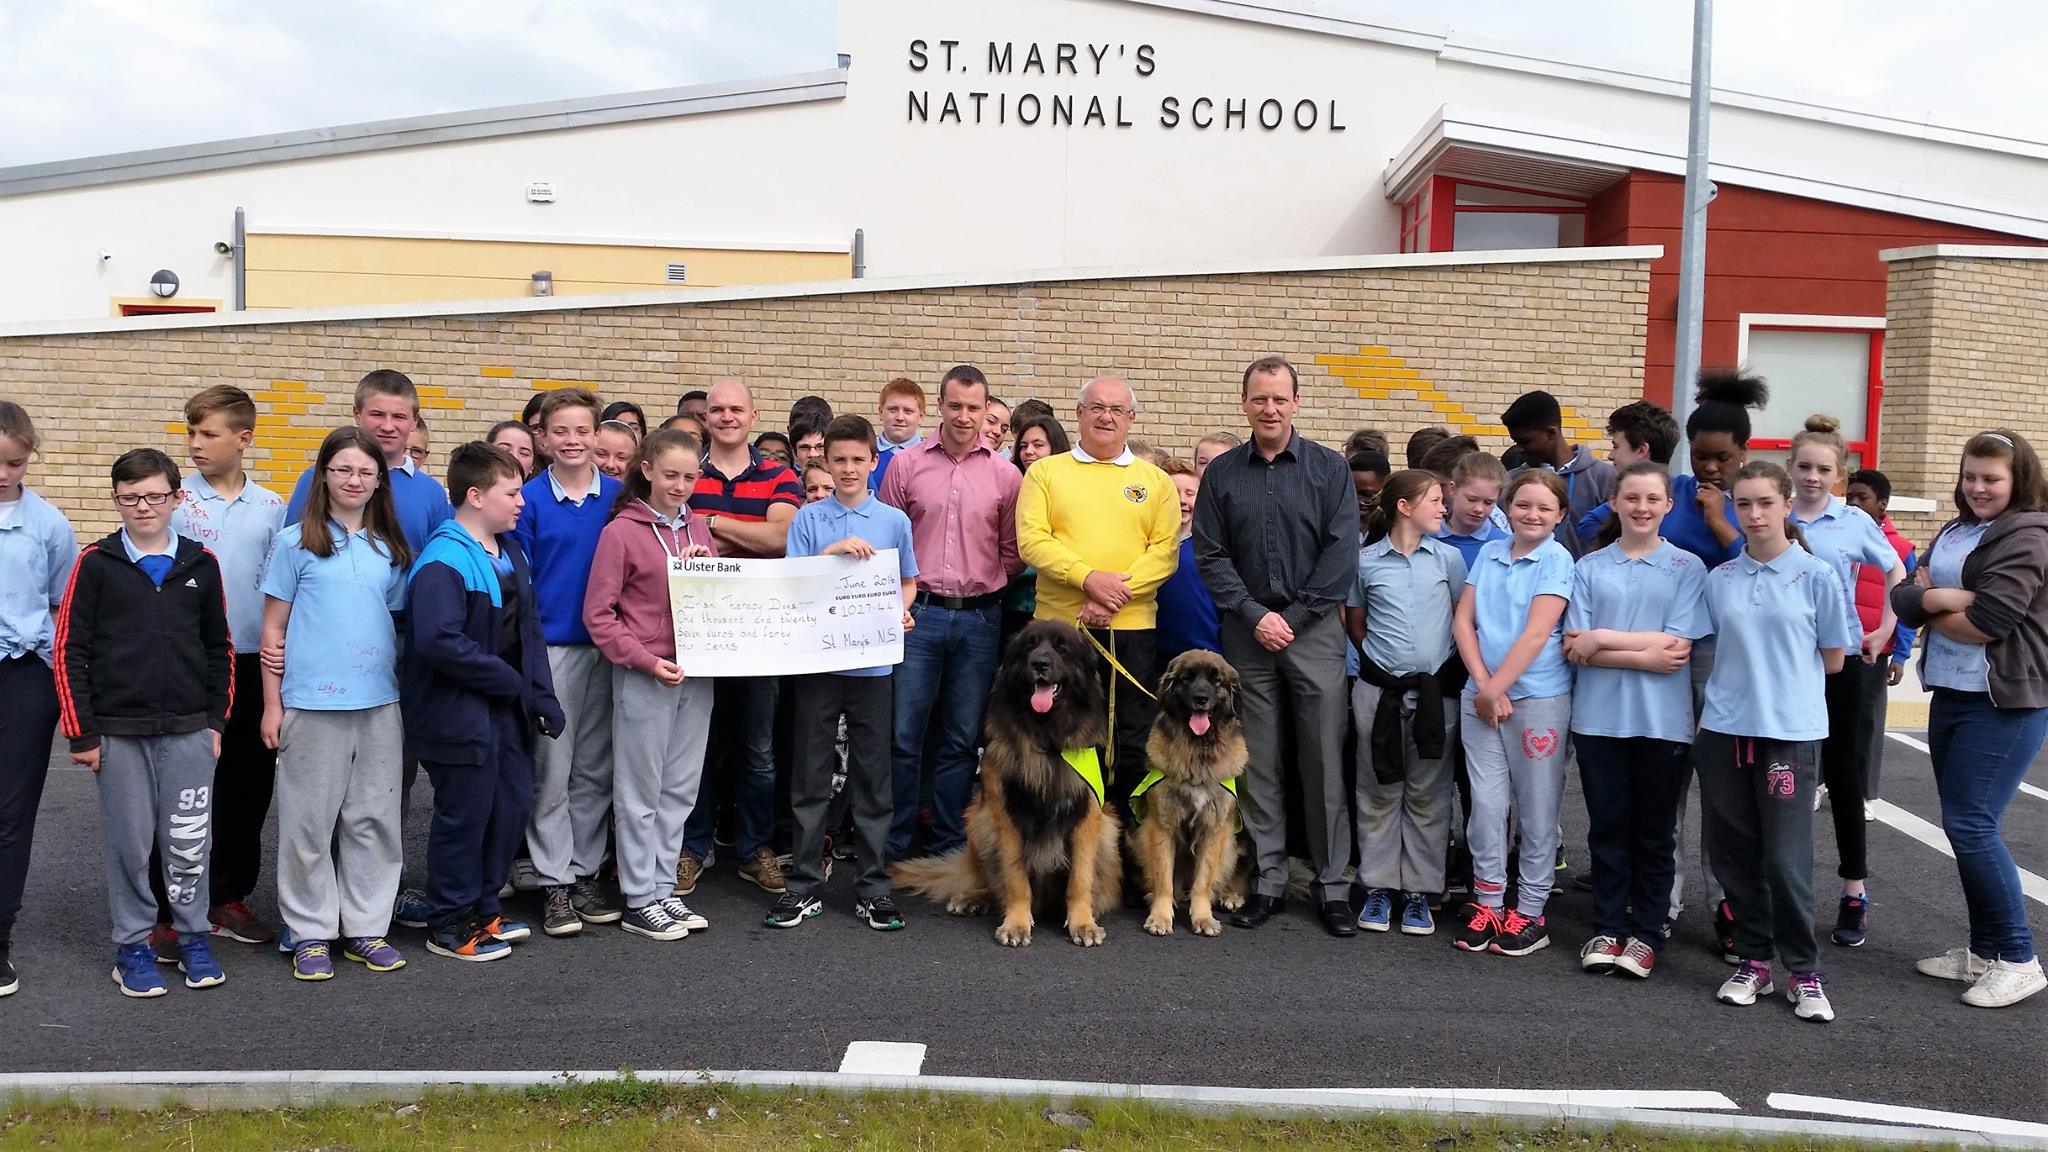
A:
[947,879]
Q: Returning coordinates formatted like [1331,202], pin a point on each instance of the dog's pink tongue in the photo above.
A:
[1042,697]
[1199,723]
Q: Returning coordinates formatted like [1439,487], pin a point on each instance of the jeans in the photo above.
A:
[1633,786]
[1981,753]
[742,735]
[949,660]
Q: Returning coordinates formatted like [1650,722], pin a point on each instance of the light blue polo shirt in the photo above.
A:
[1948,662]
[1842,537]
[37,550]
[239,533]
[341,647]
[418,498]
[816,527]
[1408,601]
[1770,623]
[1503,588]
[1664,591]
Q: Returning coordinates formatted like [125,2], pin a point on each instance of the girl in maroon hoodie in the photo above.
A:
[660,718]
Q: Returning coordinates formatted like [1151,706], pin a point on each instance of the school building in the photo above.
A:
[1426,221]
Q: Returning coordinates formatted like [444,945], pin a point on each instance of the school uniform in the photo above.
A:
[1634,741]
[1403,810]
[1468,544]
[421,502]
[863,695]
[1758,749]
[239,532]
[341,751]
[37,551]
[473,690]
[145,673]
[572,775]
[1522,761]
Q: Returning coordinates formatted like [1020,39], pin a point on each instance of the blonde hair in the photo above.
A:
[1825,430]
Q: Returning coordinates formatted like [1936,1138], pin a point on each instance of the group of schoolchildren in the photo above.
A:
[512,634]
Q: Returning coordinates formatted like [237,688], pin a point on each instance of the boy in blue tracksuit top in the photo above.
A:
[474,690]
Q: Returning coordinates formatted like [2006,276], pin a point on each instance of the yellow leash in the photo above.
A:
[1109,654]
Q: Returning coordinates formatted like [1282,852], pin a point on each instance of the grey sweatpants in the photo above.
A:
[157,790]
[572,774]
[1523,760]
[1757,803]
[1403,827]
[1303,682]
[339,853]
[658,738]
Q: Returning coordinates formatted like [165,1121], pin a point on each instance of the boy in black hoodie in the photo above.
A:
[474,689]
[145,671]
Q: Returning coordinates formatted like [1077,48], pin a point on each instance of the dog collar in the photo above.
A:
[1088,766]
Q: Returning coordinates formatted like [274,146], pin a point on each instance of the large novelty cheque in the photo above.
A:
[786,617]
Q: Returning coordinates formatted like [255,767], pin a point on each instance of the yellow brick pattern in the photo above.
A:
[1394,349]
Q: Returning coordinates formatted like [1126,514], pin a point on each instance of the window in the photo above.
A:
[1824,364]
[1450,215]
[164,309]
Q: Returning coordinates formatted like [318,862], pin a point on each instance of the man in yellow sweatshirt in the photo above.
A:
[1102,528]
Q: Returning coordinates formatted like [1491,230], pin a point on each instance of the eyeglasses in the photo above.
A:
[1117,410]
[366,475]
[153,499]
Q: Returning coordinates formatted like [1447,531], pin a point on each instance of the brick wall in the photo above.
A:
[1962,353]
[1392,348]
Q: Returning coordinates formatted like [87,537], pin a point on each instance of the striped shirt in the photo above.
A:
[747,496]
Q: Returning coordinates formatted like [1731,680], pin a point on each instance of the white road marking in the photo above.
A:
[1899,1114]
[1573,1097]
[2035,886]
[882,1058]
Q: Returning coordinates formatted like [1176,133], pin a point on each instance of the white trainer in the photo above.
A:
[1752,979]
[2005,984]
[1809,999]
[1954,964]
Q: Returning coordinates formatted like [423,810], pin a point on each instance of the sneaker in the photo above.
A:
[2005,984]
[840,847]
[509,931]
[525,877]
[1600,954]
[1954,964]
[1724,932]
[684,914]
[592,906]
[135,971]
[1820,796]
[1583,882]
[1482,924]
[791,910]
[1869,813]
[688,869]
[880,912]
[467,941]
[1752,979]
[1809,999]
[1637,959]
[311,960]
[9,981]
[372,952]
[195,960]
[163,943]
[1852,922]
[1560,859]
[1378,915]
[287,943]
[764,872]
[1415,917]
[1519,935]
[558,917]
[653,922]
[410,909]
[236,921]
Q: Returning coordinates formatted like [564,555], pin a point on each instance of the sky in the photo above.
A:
[88,77]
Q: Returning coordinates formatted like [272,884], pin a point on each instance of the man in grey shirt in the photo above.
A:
[1276,538]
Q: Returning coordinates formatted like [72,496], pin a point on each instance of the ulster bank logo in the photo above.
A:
[1136,493]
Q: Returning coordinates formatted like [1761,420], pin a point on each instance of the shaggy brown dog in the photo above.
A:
[1188,816]
[1038,828]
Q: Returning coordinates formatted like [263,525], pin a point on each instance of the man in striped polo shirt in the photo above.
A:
[748,503]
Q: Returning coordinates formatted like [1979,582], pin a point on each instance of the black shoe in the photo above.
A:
[1258,910]
[791,910]
[558,917]
[880,913]
[8,980]
[591,905]
[1583,882]
[1724,933]
[1339,919]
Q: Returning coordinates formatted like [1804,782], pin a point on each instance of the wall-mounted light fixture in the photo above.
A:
[543,283]
[164,283]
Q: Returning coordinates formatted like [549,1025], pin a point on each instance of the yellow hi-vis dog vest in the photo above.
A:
[1088,766]
[1154,777]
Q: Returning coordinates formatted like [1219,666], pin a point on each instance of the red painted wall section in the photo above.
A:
[1766,252]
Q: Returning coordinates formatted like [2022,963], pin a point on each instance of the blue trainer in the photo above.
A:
[1379,910]
[410,909]
[195,960]
[135,971]
[286,942]
[1415,917]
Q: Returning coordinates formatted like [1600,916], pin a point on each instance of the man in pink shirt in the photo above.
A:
[962,502]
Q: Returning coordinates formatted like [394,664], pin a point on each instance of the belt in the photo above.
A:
[958,603]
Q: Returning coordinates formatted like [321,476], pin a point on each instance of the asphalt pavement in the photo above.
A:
[1286,1006]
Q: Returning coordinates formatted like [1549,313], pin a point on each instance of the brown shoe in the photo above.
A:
[237,921]
[688,868]
[764,871]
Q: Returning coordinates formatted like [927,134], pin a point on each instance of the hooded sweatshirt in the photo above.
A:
[626,606]
[2008,570]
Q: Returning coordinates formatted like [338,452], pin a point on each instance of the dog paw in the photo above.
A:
[1088,934]
[1206,925]
[1231,902]
[965,908]
[1011,935]
[1159,925]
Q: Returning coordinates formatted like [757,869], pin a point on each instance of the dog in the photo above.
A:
[1188,816]
[1038,829]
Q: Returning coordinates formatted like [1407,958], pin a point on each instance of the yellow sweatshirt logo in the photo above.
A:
[1136,493]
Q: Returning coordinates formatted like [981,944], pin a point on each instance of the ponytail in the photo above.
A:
[1409,484]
